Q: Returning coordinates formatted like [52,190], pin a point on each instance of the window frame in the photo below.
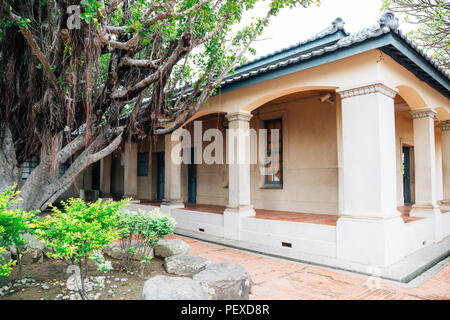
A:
[280,151]
[31,163]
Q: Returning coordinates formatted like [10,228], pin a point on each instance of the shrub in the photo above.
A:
[140,232]
[14,223]
[80,230]
[5,266]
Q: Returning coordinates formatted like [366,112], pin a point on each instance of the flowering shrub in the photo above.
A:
[140,232]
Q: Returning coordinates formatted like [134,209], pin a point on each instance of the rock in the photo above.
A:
[172,288]
[46,251]
[171,247]
[225,281]
[185,264]
[115,251]
[32,256]
[32,251]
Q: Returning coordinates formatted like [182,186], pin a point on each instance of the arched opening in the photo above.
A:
[288,94]
[306,178]
[407,100]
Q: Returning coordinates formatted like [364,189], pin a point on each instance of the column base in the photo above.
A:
[232,220]
[445,204]
[373,242]
[167,205]
[433,212]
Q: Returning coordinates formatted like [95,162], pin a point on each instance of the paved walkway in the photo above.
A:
[276,279]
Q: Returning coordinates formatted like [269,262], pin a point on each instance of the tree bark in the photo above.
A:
[9,171]
[43,188]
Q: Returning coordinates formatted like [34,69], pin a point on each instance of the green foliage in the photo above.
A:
[13,223]
[214,56]
[431,21]
[5,267]
[92,11]
[80,228]
[99,260]
[140,231]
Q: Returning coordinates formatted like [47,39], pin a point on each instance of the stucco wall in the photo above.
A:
[310,160]
[211,179]
[404,136]
[310,168]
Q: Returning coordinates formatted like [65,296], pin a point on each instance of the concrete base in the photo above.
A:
[373,242]
[167,205]
[136,205]
[404,270]
[433,213]
[232,220]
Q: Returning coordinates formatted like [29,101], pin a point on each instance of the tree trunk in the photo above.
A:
[43,188]
[9,171]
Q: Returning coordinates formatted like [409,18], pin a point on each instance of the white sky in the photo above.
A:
[294,25]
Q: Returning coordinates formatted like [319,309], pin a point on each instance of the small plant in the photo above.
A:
[14,223]
[5,266]
[140,232]
[81,230]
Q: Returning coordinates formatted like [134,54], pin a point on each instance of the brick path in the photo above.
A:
[275,279]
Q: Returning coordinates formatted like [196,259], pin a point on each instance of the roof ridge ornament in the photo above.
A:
[389,20]
[338,23]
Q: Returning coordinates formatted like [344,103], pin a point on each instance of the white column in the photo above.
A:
[172,173]
[426,205]
[105,176]
[445,128]
[425,158]
[130,171]
[238,159]
[370,230]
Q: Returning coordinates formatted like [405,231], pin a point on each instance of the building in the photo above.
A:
[365,157]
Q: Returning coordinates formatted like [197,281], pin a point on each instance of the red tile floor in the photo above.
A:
[276,279]
[326,219]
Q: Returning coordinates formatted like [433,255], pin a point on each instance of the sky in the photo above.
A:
[294,25]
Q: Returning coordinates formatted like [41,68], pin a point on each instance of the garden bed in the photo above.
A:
[48,281]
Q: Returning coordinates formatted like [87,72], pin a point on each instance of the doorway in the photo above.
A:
[192,179]
[96,176]
[406,161]
[160,167]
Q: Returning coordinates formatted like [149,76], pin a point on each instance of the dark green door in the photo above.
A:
[160,176]
[192,180]
[407,175]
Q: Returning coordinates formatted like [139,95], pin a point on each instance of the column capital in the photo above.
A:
[242,116]
[423,113]
[444,125]
[374,87]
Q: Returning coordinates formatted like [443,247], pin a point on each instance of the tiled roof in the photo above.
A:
[388,23]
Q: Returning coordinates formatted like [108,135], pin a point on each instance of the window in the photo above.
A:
[142,164]
[28,166]
[274,169]
[63,167]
